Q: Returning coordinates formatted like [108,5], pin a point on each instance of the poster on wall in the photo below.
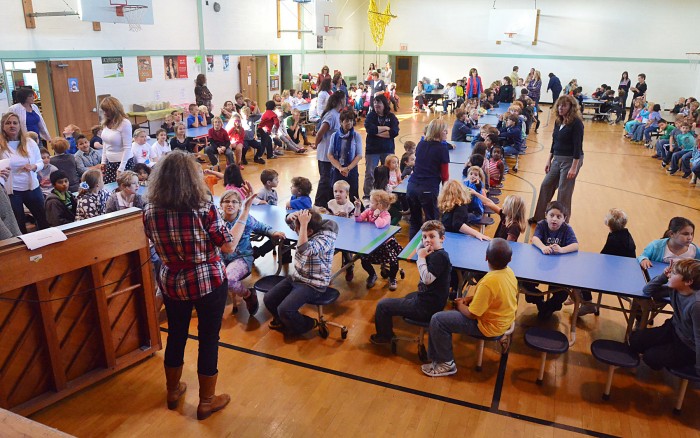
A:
[113,66]
[319,42]
[210,63]
[226,61]
[175,67]
[274,83]
[144,67]
[274,65]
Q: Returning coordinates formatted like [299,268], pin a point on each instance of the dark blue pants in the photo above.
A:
[352,179]
[34,200]
[284,301]
[423,205]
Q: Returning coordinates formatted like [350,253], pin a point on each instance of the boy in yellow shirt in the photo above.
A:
[489,312]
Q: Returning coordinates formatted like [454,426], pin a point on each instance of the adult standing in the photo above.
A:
[22,182]
[29,115]
[382,128]
[371,69]
[378,87]
[625,85]
[639,90]
[116,139]
[514,75]
[324,92]
[554,86]
[339,84]
[387,73]
[188,234]
[534,88]
[330,122]
[325,74]
[202,95]
[432,160]
[565,157]
[474,85]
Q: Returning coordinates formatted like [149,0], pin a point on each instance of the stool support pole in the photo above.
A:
[608,383]
[681,396]
[480,354]
[540,378]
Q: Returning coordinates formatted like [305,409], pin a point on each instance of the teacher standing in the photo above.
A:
[565,157]
[116,140]
[432,160]
[330,122]
[189,235]
[29,116]
[382,128]
[202,95]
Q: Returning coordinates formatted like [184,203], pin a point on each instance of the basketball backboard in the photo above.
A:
[116,11]
[324,12]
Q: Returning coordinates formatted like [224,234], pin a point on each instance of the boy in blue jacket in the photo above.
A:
[301,189]
[510,135]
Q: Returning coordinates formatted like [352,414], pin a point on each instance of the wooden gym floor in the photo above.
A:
[283,387]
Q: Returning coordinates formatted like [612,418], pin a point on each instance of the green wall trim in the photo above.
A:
[10,55]
[200,25]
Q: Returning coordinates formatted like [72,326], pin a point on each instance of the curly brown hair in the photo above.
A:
[573,113]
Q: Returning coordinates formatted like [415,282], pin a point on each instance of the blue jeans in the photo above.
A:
[34,200]
[387,308]
[371,162]
[662,148]
[442,325]
[676,157]
[422,203]
[510,151]
[637,132]
[696,169]
[352,179]
[648,131]
[284,301]
[685,162]
[210,310]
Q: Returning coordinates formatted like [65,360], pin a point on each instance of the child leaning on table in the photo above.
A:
[676,244]
[552,236]
[433,286]
[676,344]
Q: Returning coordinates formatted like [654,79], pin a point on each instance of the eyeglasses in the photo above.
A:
[230,202]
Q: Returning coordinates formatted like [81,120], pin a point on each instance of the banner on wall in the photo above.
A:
[144,67]
[113,66]
[210,63]
[274,83]
[175,67]
[226,61]
[274,65]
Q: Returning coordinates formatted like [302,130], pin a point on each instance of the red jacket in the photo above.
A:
[268,120]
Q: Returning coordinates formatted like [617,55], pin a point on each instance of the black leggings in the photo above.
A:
[661,347]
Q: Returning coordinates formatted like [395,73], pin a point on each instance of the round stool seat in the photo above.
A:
[547,341]
[416,322]
[268,282]
[687,373]
[614,353]
[486,338]
[328,297]
[485,220]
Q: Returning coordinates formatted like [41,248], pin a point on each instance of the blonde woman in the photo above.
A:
[116,139]
[432,159]
[21,183]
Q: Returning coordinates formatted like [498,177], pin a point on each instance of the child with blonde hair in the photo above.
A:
[92,199]
[140,149]
[388,252]
[204,112]
[392,163]
[341,206]
[453,202]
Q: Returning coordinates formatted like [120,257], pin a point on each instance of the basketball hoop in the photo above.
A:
[133,14]
[693,59]
[510,34]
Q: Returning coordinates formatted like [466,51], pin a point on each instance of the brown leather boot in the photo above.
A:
[208,402]
[176,388]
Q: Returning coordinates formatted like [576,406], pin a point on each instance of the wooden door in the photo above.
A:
[249,87]
[286,80]
[74,94]
[263,81]
[402,73]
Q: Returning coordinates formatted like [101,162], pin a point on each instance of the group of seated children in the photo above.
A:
[679,147]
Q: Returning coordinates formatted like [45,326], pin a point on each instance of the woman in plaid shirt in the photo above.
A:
[189,234]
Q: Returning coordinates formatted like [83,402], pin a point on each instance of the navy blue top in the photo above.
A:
[554,85]
[564,236]
[33,121]
[379,145]
[567,140]
[460,130]
[430,156]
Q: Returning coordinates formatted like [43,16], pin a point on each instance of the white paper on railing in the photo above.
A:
[5,164]
[41,238]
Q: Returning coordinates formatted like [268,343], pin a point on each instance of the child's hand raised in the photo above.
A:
[304,217]
[669,268]
[358,206]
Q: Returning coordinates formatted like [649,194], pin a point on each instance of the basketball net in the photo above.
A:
[378,21]
[693,60]
[133,14]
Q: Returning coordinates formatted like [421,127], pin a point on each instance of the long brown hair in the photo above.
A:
[113,112]
[177,183]
[22,148]
[574,110]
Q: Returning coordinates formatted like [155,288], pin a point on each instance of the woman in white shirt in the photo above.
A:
[25,161]
[116,140]
[387,73]
[324,92]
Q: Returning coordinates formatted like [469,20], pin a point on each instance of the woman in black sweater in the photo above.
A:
[565,157]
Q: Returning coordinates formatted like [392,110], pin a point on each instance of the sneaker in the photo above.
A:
[278,152]
[655,156]
[259,160]
[439,369]
[686,175]
[349,274]
[664,164]
[371,280]
[672,172]
[393,285]
[586,309]
[244,162]
[532,221]
[273,157]
[693,180]
[276,324]
[252,303]
[376,340]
